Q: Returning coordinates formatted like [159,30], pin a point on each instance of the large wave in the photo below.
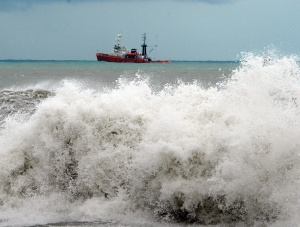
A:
[220,155]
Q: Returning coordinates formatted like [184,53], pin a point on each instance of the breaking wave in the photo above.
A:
[22,101]
[220,155]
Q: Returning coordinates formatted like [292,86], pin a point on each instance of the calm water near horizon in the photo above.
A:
[14,72]
[87,143]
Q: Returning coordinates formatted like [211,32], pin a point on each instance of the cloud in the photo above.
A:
[211,1]
[215,1]
[23,5]
[6,5]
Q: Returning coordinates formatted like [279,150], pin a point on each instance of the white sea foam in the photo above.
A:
[223,155]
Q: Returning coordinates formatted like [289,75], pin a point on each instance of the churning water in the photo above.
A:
[147,153]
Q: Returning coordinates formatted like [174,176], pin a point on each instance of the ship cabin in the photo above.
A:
[133,53]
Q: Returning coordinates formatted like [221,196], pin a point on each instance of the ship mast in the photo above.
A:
[118,39]
[144,45]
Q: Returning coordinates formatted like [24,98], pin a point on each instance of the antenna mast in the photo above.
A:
[118,39]
[144,45]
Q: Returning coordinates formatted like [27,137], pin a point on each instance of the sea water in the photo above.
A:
[186,143]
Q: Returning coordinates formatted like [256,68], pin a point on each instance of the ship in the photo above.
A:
[121,54]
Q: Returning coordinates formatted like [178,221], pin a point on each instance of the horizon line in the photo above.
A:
[35,60]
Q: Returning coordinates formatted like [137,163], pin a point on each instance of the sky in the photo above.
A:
[182,29]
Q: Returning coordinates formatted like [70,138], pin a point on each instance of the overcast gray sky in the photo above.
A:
[182,29]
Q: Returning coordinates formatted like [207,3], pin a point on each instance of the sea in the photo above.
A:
[203,143]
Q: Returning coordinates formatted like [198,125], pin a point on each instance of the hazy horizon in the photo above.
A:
[193,30]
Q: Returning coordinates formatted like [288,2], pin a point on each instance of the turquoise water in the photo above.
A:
[32,72]
[186,143]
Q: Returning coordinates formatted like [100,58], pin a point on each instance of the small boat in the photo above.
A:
[121,54]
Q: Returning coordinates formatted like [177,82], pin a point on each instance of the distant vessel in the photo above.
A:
[121,54]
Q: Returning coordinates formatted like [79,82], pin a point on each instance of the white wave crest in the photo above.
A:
[225,154]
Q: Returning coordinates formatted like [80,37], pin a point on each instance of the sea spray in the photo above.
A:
[219,155]
[24,101]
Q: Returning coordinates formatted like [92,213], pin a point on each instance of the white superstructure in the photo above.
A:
[119,50]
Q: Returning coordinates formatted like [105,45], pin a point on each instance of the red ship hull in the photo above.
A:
[113,58]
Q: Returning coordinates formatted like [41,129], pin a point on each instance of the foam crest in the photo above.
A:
[225,154]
